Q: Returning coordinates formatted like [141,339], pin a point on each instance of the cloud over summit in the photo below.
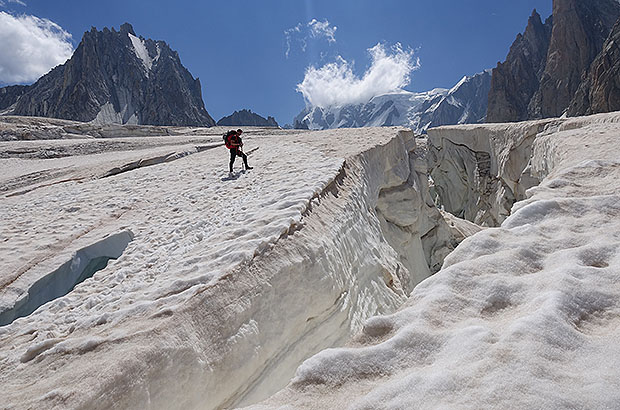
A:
[29,47]
[335,84]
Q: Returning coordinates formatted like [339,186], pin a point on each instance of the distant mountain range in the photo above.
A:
[466,102]
[114,77]
[248,118]
[568,64]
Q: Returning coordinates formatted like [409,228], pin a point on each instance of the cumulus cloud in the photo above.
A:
[335,84]
[299,35]
[30,46]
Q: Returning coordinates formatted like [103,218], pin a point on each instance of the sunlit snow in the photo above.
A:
[141,52]
[521,316]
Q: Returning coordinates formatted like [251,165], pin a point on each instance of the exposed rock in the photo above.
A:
[579,31]
[543,71]
[600,91]
[116,77]
[9,95]
[247,117]
[516,80]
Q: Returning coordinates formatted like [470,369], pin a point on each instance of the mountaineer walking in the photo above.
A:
[235,145]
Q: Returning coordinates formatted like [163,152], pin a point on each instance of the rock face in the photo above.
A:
[117,77]
[515,81]
[600,91]
[248,118]
[9,95]
[542,72]
[465,103]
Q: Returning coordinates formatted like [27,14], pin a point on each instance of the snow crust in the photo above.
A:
[525,315]
[229,283]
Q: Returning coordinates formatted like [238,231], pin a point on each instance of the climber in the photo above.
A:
[235,145]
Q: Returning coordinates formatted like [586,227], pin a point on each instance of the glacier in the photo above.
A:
[524,314]
[323,278]
[227,282]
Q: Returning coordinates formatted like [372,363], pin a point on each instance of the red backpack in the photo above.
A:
[228,138]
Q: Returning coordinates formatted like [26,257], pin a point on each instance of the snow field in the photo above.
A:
[228,284]
[141,52]
[525,315]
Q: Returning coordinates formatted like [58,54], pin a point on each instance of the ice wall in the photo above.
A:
[363,247]
[521,316]
[480,171]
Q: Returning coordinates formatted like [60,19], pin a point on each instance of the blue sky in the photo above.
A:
[238,48]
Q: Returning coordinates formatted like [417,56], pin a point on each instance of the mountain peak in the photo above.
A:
[466,102]
[117,77]
[546,65]
[127,28]
[248,118]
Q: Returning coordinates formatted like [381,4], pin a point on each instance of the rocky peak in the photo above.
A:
[127,29]
[117,77]
[248,118]
[545,65]
[579,31]
[515,81]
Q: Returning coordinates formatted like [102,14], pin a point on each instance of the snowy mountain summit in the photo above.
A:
[465,103]
[115,77]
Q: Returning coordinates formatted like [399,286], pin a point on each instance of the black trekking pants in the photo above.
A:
[234,152]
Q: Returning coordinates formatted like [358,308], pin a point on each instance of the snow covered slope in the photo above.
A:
[214,288]
[465,103]
[526,315]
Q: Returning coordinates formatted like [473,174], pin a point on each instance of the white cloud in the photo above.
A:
[322,29]
[30,46]
[20,2]
[335,84]
[301,33]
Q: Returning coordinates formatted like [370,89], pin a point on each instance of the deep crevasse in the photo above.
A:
[520,316]
[206,310]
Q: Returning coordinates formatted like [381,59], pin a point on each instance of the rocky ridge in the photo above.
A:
[9,96]
[600,91]
[546,65]
[248,118]
[515,81]
[117,77]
